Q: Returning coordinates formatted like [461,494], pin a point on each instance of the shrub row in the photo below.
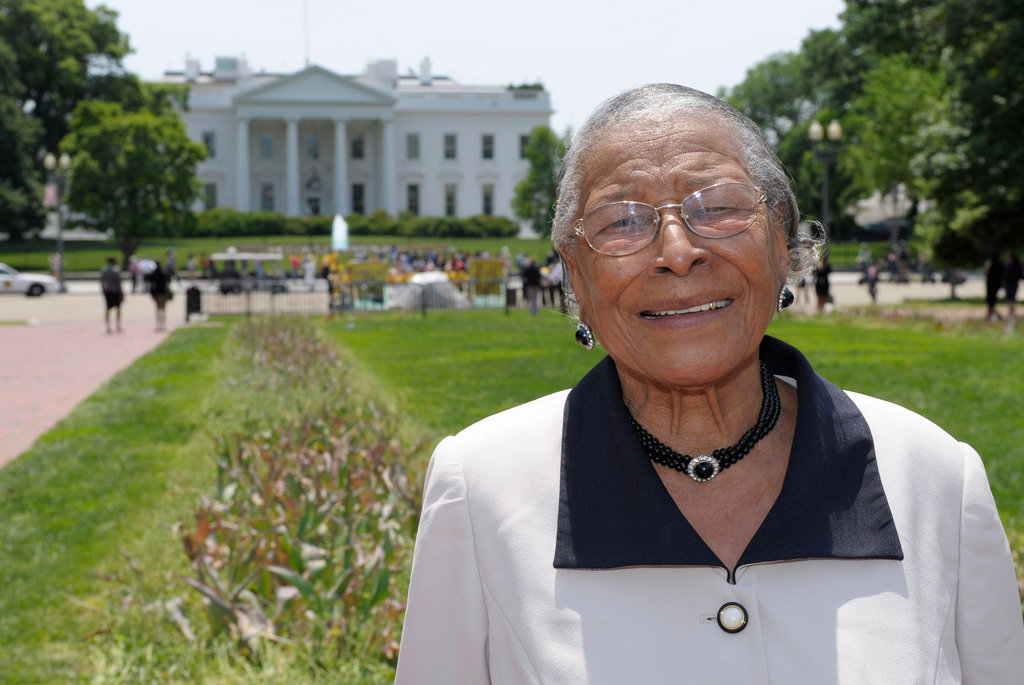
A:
[307,535]
[223,222]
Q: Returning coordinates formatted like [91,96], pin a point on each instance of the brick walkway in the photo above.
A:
[49,367]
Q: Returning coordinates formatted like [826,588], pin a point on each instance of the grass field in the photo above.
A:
[123,465]
[110,481]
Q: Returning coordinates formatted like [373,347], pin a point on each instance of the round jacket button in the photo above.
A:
[732,617]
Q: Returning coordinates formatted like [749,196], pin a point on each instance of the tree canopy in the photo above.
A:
[535,195]
[20,182]
[929,94]
[53,55]
[133,171]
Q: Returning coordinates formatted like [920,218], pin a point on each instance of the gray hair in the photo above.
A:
[662,102]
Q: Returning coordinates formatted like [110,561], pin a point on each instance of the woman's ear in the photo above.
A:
[571,272]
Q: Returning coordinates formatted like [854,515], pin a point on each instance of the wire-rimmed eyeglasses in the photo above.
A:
[622,228]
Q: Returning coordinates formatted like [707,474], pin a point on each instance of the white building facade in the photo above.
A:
[316,142]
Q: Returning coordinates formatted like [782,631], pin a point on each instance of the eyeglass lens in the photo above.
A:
[719,211]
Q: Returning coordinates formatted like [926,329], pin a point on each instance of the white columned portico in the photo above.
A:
[340,167]
[291,166]
[387,166]
[242,158]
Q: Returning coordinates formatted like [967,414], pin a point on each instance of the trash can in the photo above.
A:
[193,302]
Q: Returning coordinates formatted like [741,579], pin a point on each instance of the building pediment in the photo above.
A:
[315,84]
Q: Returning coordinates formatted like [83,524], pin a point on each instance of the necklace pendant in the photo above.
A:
[703,468]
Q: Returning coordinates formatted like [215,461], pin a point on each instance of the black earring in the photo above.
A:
[786,298]
[584,336]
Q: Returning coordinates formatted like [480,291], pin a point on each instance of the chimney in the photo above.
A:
[425,76]
[191,69]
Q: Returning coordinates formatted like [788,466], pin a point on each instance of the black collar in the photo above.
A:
[614,511]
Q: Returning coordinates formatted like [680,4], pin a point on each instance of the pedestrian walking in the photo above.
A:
[136,275]
[113,294]
[821,284]
[871,278]
[863,261]
[994,272]
[532,283]
[160,291]
[1011,280]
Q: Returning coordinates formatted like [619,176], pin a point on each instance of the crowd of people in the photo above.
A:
[539,280]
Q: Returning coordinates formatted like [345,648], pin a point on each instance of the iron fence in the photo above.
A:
[280,296]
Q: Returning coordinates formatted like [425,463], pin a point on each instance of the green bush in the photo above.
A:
[223,222]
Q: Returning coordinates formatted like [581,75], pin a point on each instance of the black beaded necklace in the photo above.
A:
[704,467]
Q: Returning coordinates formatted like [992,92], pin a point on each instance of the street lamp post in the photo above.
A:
[826,152]
[57,172]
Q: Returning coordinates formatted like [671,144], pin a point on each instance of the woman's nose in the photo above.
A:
[679,247]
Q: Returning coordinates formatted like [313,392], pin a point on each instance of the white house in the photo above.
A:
[318,142]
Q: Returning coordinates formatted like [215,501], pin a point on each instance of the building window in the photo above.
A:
[210,195]
[449,146]
[359,198]
[487,146]
[266,145]
[449,199]
[488,199]
[313,206]
[358,146]
[210,141]
[523,142]
[312,146]
[412,146]
[267,197]
[412,198]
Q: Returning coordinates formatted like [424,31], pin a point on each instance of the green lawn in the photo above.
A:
[125,464]
[115,476]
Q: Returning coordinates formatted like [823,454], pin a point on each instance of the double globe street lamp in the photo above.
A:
[826,152]
[57,174]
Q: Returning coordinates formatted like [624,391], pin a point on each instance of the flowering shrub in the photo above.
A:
[312,521]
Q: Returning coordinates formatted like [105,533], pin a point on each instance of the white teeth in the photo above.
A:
[692,310]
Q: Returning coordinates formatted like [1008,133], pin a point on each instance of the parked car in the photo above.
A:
[33,285]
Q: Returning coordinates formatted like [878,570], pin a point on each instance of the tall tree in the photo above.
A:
[785,93]
[20,187]
[534,199]
[133,171]
[55,53]
[931,97]
[773,94]
[65,53]
[975,170]
[895,116]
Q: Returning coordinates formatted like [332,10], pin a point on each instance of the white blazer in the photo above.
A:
[547,554]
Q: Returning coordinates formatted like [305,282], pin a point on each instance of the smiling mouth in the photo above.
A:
[718,304]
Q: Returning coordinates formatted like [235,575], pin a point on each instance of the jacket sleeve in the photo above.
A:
[444,638]
[989,628]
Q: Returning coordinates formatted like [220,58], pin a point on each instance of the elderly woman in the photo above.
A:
[702,507]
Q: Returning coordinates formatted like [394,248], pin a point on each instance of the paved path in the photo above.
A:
[63,355]
[848,293]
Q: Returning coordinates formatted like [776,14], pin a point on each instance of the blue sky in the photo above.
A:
[583,52]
